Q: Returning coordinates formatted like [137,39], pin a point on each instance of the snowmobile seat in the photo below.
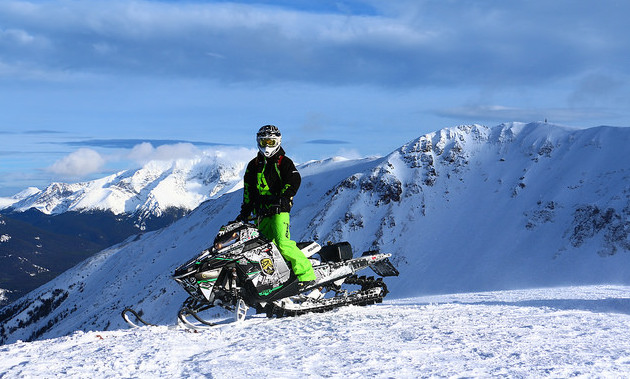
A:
[336,252]
[309,248]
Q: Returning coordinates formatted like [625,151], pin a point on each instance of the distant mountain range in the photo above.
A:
[50,230]
[468,208]
[144,193]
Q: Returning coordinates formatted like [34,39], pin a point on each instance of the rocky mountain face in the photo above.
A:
[501,199]
[468,208]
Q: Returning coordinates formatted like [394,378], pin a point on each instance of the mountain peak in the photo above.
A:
[148,191]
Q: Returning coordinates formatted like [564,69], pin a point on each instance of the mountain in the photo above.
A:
[513,206]
[48,231]
[36,247]
[469,208]
[567,332]
[30,256]
[143,193]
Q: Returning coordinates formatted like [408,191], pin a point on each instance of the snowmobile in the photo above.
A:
[243,269]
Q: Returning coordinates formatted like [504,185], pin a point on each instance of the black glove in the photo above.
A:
[285,203]
[242,217]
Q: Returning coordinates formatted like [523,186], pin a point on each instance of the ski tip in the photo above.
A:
[125,315]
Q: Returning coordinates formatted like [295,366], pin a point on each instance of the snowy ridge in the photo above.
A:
[518,204]
[150,190]
[464,209]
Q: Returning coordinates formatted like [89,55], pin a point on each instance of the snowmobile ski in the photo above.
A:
[125,315]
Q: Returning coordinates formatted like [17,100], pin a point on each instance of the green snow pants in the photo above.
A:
[276,228]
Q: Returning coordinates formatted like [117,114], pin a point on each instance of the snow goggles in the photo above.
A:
[267,142]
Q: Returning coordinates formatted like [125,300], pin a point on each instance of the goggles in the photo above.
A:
[267,142]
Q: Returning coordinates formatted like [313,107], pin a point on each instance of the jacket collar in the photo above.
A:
[273,158]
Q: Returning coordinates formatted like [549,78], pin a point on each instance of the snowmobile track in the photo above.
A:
[372,291]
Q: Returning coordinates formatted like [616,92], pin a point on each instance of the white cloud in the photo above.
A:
[16,35]
[145,152]
[231,154]
[349,153]
[85,161]
[79,163]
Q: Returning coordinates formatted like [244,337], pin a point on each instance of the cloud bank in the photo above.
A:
[403,43]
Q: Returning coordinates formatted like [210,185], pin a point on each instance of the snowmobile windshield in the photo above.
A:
[226,240]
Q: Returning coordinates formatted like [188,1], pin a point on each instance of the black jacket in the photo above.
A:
[269,185]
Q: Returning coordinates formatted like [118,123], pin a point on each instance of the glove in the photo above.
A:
[242,217]
[285,203]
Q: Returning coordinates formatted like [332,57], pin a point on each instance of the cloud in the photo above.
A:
[17,36]
[407,43]
[145,152]
[84,161]
[503,113]
[601,89]
[78,164]
[229,155]
[327,142]
[129,143]
[32,132]
[349,154]
[43,131]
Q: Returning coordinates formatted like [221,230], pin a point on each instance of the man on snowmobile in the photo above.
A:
[270,182]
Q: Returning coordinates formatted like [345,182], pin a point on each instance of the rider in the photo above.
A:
[270,182]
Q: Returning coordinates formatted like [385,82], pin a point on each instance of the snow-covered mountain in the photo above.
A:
[148,191]
[41,227]
[463,209]
[505,207]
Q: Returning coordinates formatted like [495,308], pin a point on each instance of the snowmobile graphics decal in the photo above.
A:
[269,291]
[267,266]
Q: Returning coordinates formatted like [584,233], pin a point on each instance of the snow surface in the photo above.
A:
[561,332]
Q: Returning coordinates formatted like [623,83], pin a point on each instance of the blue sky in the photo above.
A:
[84,83]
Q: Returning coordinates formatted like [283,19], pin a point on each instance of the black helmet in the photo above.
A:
[268,140]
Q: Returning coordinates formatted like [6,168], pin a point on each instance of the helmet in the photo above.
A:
[268,140]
